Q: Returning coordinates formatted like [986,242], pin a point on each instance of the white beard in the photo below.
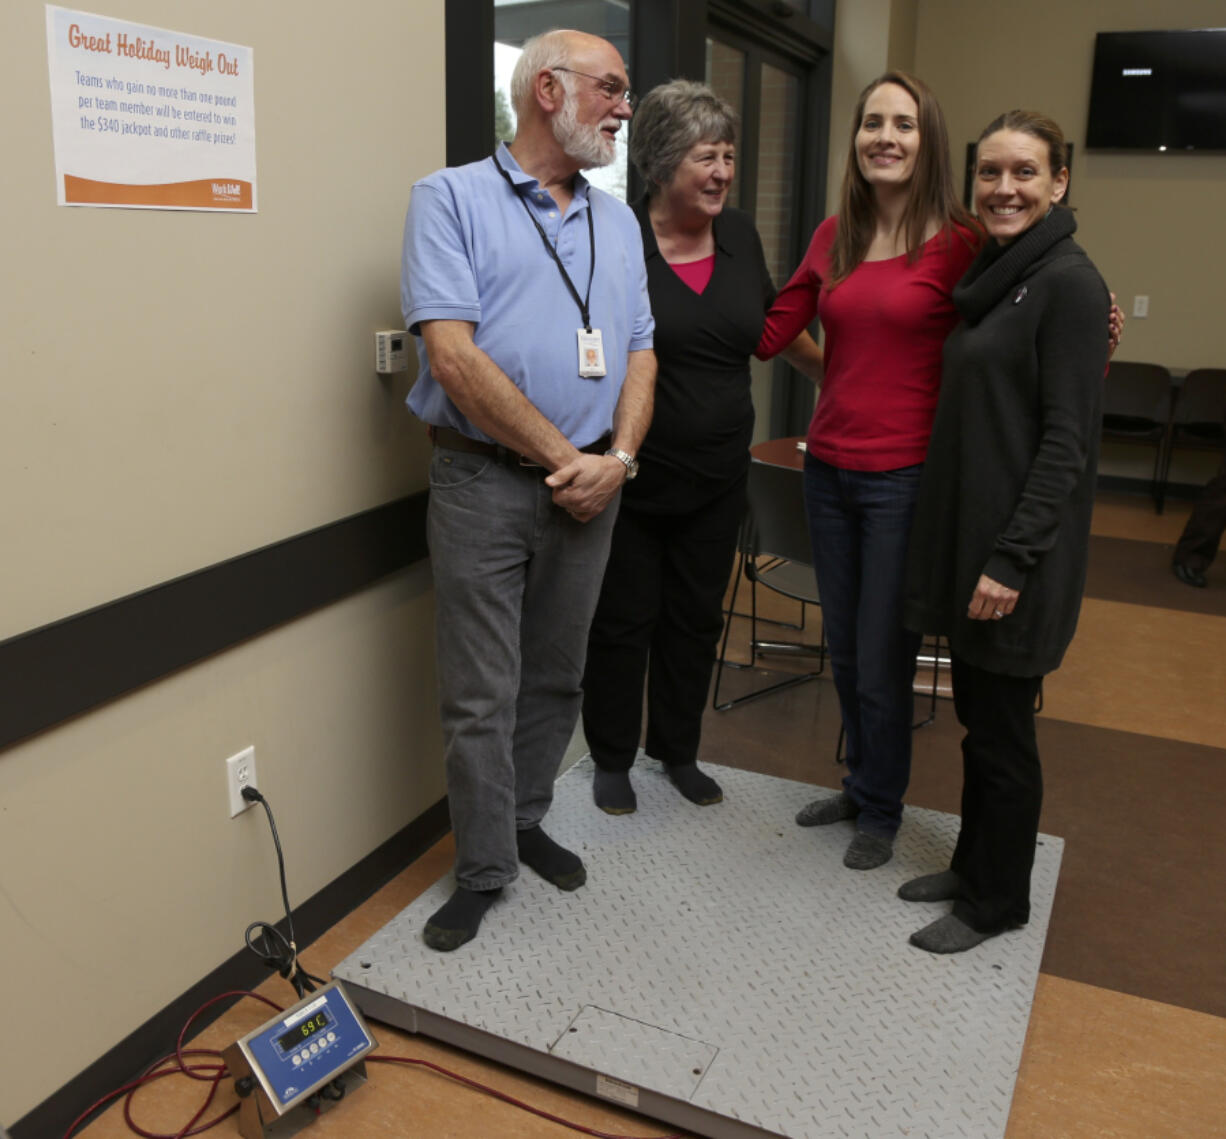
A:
[579,141]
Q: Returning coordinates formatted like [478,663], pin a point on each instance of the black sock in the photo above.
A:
[458,920]
[695,785]
[613,792]
[552,862]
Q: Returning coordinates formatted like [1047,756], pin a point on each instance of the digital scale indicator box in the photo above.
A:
[303,1048]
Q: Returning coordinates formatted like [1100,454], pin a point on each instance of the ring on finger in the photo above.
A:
[998,613]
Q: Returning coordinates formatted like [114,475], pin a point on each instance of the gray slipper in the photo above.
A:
[868,851]
[943,887]
[832,809]
[948,935]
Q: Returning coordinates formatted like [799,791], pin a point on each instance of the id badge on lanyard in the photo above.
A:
[591,353]
[589,342]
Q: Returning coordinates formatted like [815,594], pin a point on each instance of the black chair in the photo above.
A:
[931,654]
[1200,409]
[1137,401]
[776,555]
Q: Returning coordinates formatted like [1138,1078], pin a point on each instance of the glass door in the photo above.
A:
[767,90]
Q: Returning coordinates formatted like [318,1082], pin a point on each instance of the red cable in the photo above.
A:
[507,1098]
[156,1072]
[218,1072]
[189,1128]
[240,993]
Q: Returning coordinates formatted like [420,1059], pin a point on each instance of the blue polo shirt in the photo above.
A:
[472,253]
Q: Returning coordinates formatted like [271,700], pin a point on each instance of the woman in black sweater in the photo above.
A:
[999,545]
[660,611]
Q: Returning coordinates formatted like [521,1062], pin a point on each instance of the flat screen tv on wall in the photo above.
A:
[1159,91]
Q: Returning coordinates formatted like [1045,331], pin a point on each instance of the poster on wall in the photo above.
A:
[147,118]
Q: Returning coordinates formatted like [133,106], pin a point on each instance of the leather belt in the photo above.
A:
[449,437]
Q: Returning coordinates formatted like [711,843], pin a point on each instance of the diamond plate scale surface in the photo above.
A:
[722,971]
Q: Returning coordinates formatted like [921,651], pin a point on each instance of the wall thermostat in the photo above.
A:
[299,1054]
[391,352]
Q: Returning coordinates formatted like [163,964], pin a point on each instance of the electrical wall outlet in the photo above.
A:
[1140,307]
[240,773]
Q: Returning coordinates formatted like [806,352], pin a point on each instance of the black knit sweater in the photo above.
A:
[1008,486]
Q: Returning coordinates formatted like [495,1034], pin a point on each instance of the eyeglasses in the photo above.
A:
[609,88]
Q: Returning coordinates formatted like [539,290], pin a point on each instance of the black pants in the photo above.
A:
[1198,545]
[659,617]
[1002,794]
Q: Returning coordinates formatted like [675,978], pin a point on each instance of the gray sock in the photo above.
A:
[948,935]
[832,809]
[868,851]
[942,887]
[613,792]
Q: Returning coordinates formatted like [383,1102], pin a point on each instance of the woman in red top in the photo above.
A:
[880,276]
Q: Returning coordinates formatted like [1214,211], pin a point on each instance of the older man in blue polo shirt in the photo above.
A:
[526,289]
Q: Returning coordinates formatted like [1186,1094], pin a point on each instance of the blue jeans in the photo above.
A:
[859,522]
[516,581]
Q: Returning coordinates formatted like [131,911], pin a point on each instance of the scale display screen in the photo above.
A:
[306,1046]
[303,1032]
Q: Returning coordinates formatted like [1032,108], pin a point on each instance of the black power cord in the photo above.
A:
[266,941]
[280,953]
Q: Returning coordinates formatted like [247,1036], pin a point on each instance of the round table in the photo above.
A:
[785,452]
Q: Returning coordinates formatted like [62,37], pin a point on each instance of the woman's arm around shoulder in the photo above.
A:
[796,305]
[805,355]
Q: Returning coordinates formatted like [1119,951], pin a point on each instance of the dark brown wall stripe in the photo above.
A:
[51,674]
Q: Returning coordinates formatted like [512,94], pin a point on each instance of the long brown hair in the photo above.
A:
[931,197]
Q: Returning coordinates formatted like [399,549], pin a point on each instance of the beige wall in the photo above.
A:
[861,51]
[870,36]
[1152,223]
[184,387]
[180,388]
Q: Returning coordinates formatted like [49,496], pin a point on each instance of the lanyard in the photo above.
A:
[582,302]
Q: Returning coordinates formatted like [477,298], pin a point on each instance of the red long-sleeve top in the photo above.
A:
[885,326]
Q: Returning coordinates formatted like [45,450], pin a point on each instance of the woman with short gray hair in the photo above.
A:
[669,121]
[661,606]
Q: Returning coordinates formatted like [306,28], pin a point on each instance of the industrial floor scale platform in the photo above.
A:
[722,971]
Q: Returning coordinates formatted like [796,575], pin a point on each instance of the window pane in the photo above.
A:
[726,76]
[777,168]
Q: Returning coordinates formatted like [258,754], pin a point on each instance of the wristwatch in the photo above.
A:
[627,460]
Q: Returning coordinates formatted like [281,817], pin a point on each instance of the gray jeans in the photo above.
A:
[516,582]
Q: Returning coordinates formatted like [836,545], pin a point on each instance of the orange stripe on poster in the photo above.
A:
[204,193]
